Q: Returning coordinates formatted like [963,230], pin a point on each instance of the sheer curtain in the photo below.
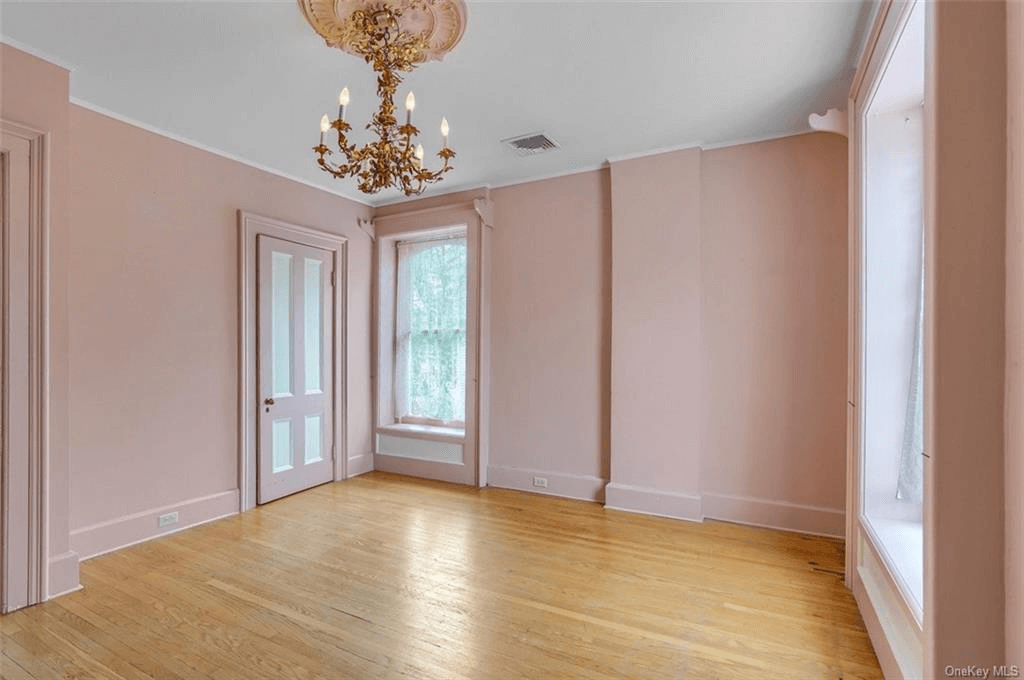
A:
[430,360]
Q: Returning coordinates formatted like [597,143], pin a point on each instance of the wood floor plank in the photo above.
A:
[393,578]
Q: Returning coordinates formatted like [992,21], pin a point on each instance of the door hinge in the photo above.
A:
[332,278]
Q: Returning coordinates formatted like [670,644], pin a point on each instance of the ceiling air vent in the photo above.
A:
[531,145]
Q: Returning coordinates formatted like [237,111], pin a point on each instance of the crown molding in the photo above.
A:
[38,54]
[653,152]
[579,170]
[708,147]
[216,152]
[576,170]
[757,140]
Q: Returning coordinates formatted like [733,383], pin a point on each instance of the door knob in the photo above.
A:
[269,401]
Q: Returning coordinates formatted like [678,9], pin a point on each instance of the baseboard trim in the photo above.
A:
[581,487]
[760,512]
[63,575]
[104,537]
[455,473]
[657,502]
[360,465]
[692,507]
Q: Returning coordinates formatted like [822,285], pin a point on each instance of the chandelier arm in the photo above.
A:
[339,171]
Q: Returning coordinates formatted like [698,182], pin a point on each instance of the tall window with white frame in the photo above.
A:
[430,332]
[892,402]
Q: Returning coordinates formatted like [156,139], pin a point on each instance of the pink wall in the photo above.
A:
[656,327]
[153,317]
[1015,336]
[35,93]
[750,287]
[550,326]
[774,315]
[964,610]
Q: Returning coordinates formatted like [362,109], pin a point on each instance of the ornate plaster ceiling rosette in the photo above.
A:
[440,23]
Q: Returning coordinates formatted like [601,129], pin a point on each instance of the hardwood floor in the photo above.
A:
[390,577]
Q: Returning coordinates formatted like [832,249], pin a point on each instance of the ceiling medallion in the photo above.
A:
[392,36]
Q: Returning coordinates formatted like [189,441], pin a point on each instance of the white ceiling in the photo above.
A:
[608,79]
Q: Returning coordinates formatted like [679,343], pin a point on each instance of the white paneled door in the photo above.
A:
[296,435]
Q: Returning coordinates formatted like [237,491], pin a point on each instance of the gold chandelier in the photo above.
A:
[394,159]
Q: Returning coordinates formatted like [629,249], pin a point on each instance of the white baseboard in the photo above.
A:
[653,502]
[121,532]
[805,519]
[360,465]
[582,487]
[63,574]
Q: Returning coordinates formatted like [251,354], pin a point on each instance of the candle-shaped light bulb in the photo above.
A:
[419,155]
[342,103]
[444,130]
[410,104]
[325,123]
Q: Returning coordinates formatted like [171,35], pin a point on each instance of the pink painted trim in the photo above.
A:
[895,633]
[654,502]
[580,487]
[122,532]
[26,395]
[63,577]
[442,472]
[250,226]
[760,512]
[360,465]
[886,658]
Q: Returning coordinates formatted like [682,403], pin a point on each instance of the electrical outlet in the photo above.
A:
[540,482]
[167,520]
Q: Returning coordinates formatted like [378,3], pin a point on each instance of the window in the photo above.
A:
[893,314]
[430,332]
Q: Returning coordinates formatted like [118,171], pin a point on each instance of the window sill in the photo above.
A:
[454,435]
[900,543]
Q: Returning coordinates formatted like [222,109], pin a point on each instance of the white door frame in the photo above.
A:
[249,227]
[23,499]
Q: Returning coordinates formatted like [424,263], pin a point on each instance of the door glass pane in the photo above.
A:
[282,445]
[314,440]
[313,329]
[281,323]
